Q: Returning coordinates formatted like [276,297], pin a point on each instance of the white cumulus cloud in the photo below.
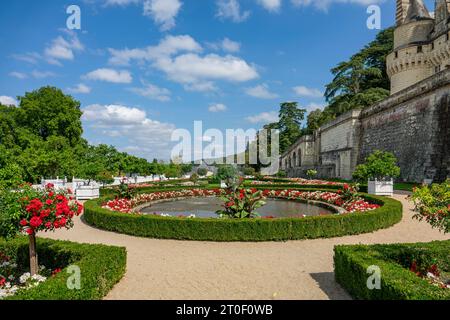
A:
[264,117]
[80,88]
[8,101]
[218,107]
[270,5]
[231,9]
[152,92]
[63,49]
[261,91]
[110,75]
[163,12]
[141,135]
[180,58]
[303,91]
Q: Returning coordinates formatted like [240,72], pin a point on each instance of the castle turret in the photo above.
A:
[402,10]
[409,64]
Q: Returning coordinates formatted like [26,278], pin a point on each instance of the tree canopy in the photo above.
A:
[357,83]
[42,138]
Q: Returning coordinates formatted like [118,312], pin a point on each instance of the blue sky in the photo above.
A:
[142,68]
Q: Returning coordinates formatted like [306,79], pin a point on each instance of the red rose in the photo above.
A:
[23,222]
[49,202]
[2,282]
[30,231]
[48,225]
[35,222]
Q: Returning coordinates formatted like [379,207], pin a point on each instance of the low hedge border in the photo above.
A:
[245,230]
[101,268]
[397,282]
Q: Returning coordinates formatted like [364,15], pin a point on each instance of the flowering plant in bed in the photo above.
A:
[242,203]
[357,204]
[13,279]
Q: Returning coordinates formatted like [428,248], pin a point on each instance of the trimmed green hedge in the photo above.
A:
[245,230]
[397,282]
[101,268]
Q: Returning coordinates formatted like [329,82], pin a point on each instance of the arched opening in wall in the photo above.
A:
[299,157]
[295,159]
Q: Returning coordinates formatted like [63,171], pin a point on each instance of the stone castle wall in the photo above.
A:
[414,124]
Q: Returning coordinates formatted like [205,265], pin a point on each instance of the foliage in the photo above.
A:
[311,173]
[349,192]
[379,165]
[241,204]
[101,268]
[10,176]
[249,171]
[358,83]
[362,80]
[290,119]
[229,174]
[202,172]
[432,204]
[126,191]
[281,174]
[245,229]
[194,178]
[43,138]
[398,280]
[12,210]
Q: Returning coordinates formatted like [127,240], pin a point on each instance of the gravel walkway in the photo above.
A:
[167,269]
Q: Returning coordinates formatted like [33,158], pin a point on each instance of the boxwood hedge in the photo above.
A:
[245,230]
[397,282]
[101,268]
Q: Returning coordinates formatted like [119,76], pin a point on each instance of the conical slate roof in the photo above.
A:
[417,11]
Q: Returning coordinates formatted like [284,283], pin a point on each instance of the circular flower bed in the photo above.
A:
[117,216]
[356,204]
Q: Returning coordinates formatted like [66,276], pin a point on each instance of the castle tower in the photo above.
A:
[402,10]
[409,62]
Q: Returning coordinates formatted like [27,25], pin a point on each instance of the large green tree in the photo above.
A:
[49,112]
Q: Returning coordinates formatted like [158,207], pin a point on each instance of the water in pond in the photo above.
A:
[206,208]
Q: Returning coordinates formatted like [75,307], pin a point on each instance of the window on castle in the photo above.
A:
[419,49]
[396,54]
[432,45]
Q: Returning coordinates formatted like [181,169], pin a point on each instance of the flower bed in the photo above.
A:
[354,205]
[408,271]
[297,181]
[101,267]
[153,226]
[13,280]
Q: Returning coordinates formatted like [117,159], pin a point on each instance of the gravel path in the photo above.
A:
[168,269]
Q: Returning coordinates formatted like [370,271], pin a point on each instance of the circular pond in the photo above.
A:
[207,207]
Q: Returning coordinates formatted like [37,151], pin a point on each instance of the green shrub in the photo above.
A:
[397,281]
[101,268]
[248,230]
[379,165]
[432,203]
[202,172]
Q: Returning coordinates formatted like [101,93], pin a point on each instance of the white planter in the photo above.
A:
[87,192]
[381,188]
